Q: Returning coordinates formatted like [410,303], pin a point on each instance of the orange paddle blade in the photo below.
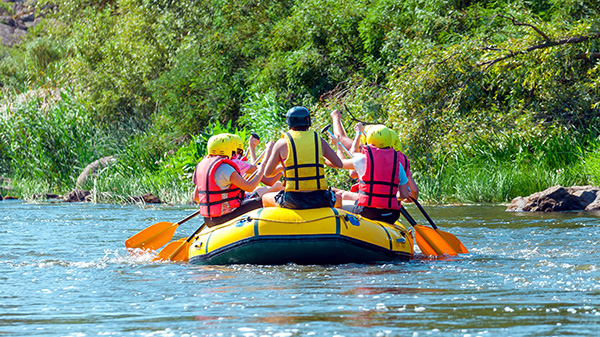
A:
[431,242]
[454,242]
[174,251]
[153,237]
[422,243]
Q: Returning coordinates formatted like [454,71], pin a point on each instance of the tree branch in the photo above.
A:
[547,44]
[517,23]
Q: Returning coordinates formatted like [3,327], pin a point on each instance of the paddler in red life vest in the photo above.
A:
[382,178]
[220,186]
[303,154]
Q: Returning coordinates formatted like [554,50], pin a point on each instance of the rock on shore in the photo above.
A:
[557,199]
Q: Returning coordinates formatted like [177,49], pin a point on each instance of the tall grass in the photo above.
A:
[501,168]
[48,136]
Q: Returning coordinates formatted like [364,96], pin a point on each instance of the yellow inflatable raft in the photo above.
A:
[314,236]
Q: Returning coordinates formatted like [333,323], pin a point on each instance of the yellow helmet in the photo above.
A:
[239,144]
[395,140]
[363,138]
[379,136]
[220,145]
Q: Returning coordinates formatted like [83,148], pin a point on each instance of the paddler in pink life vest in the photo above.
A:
[220,186]
[341,136]
[303,154]
[382,179]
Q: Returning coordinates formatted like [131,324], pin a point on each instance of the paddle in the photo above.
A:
[178,250]
[155,236]
[452,240]
[429,241]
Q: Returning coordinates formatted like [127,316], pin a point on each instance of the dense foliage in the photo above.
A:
[479,90]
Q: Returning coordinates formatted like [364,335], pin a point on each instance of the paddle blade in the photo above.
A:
[153,237]
[454,242]
[422,243]
[431,242]
[174,251]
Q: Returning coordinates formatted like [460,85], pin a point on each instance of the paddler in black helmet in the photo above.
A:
[303,154]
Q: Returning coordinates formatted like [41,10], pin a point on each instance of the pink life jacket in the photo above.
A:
[209,194]
[405,165]
[377,188]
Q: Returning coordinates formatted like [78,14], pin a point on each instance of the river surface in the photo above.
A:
[64,271]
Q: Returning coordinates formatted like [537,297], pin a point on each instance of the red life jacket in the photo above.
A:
[209,194]
[377,188]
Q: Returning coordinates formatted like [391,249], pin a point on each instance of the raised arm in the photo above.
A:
[331,158]
[250,185]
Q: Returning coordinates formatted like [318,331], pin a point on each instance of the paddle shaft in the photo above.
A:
[424,213]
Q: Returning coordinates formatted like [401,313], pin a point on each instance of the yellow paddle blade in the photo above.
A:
[433,243]
[454,242]
[174,251]
[153,237]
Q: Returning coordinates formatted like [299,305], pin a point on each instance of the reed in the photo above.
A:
[506,167]
[50,138]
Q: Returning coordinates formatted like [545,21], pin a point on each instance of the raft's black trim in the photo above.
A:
[379,254]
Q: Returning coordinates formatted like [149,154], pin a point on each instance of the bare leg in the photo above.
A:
[268,200]
[338,129]
[338,201]
[345,195]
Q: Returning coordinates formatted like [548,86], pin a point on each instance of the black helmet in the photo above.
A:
[297,116]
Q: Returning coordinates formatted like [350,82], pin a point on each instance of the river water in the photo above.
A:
[64,271]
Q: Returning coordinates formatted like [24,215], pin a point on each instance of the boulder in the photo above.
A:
[76,195]
[22,16]
[557,199]
[92,168]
